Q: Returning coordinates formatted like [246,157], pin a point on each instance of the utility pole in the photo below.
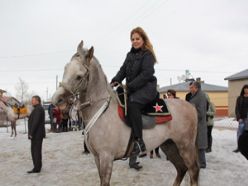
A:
[47,93]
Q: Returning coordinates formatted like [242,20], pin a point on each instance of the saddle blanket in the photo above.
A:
[153,114]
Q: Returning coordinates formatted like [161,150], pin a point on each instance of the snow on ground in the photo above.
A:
[64,164]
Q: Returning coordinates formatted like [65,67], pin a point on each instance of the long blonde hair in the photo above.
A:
[147,43]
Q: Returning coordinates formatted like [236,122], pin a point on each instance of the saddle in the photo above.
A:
[154,113]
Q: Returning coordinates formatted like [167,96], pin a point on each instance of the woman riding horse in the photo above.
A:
[138,69]
[106,135]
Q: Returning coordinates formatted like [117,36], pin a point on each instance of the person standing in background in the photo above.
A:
[50,113]
[210,123]
[57,119]
[36,133]
[189,94]
[171,94]
[198,99]
[241,111]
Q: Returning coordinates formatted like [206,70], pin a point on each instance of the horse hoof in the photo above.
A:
[158,155]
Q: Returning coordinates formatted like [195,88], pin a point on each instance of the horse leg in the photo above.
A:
[190,158]
[172,153]
[97,161]
[86,150]
[105,168]
[14,126]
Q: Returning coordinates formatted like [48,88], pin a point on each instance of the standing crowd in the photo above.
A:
[65,120]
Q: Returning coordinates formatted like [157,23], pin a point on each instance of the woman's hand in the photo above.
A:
[113,84]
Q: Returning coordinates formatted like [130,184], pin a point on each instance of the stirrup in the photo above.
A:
[136,149]
[141,153]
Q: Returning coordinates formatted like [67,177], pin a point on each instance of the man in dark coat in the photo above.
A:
[189,94]
[36,133]
[198,99]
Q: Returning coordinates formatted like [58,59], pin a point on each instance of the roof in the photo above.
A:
[240,75]
[184,87]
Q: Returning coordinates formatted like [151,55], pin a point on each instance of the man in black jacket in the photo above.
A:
[36,133]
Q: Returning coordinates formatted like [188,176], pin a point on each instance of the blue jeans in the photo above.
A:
[241,129]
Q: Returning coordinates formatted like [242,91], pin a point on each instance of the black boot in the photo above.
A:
[133,163]
[208,150]
[136,166]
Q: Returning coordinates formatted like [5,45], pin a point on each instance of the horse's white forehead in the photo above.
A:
[74,67]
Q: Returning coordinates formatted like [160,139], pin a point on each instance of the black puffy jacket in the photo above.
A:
[241,109]
[138,69]
[36,123]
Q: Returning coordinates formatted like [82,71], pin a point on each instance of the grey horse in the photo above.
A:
[107,136]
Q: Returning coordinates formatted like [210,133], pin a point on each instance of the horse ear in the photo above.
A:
[80,48]
[90,55]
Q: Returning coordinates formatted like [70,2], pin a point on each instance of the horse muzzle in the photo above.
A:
[59,96]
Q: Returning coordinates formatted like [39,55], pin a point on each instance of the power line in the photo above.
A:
[142,10]
[113,66]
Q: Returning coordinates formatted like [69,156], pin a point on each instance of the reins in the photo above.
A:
[91,122]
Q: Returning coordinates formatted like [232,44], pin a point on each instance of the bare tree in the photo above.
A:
[22,90]
[184,77]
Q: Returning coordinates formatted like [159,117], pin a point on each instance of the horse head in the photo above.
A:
[75,78]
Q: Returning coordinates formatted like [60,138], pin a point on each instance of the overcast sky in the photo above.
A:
[38,37]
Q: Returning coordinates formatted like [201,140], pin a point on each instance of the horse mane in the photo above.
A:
[96,70]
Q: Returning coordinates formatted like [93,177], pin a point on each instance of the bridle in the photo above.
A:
[78,86]
[75,92]
[75,97]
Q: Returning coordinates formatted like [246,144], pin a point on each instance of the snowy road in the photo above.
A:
[64,164]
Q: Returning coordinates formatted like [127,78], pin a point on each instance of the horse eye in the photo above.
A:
[78,78]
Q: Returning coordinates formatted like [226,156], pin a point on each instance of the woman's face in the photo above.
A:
[137,41]
[246,90]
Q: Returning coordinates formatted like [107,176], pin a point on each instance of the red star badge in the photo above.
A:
[158,108]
